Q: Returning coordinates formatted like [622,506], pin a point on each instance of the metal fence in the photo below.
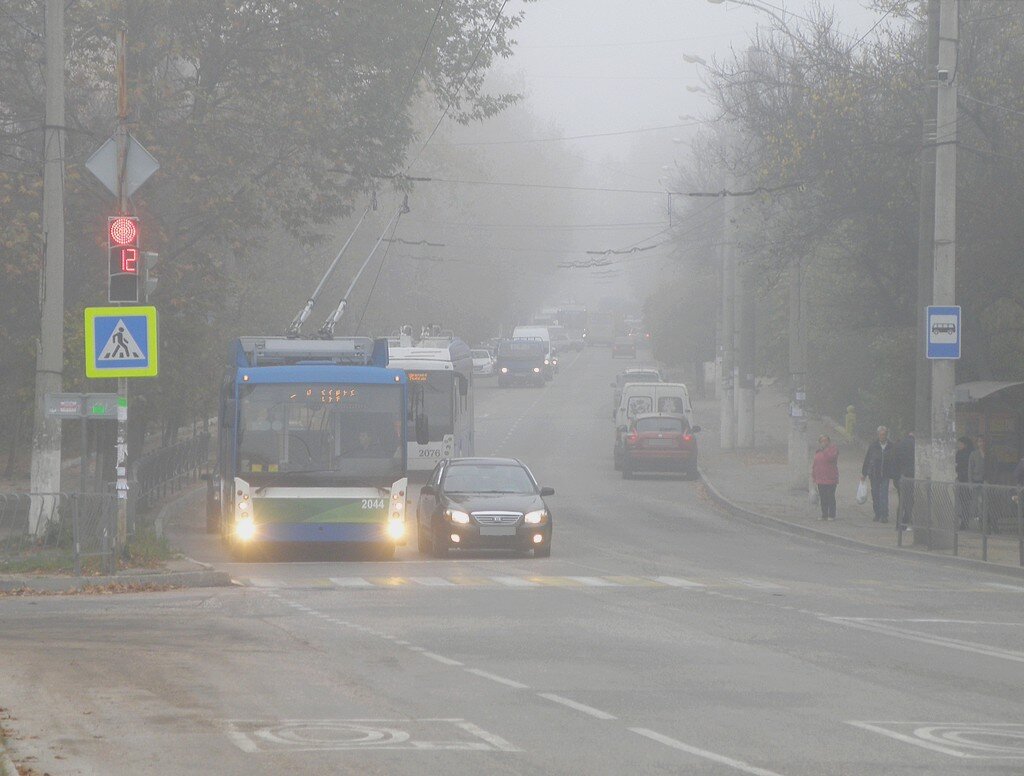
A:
[964,518]
[167,470]
[57,532]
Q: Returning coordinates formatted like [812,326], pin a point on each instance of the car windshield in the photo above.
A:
[659,426]
[487,478]
[481,354]
[522,349]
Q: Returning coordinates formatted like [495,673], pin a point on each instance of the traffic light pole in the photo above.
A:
[121,458]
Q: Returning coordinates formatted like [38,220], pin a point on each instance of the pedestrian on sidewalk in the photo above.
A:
[880,467]
[825,473]
[977,466]
[905,480]
[964,448]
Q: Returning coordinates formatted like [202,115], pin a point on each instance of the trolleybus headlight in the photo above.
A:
[396,528]
[457,516]
[537,517]
[245,528]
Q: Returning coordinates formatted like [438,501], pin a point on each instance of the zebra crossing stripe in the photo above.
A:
[627,581]
[432,581]
[756,584]
[351,582]
[266,583]
[679,582]
[515,582]
[595,582]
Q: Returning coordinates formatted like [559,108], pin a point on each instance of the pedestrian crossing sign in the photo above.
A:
[120,342]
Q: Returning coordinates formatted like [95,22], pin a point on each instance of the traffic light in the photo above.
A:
[124,259]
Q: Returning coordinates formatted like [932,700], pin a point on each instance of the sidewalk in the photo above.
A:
[758,481]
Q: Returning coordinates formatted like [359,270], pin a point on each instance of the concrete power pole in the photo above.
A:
[745,356]
[943,437]
[46,439]
[926,250]
[728,326]
[798,377]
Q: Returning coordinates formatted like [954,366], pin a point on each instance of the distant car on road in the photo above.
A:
[660,442]
[492,503]
[624,347]
[483,363]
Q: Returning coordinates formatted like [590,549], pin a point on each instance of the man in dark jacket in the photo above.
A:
[880,467]
[905,479]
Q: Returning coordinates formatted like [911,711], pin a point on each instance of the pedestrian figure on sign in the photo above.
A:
[825,473]
[905,480]
[964,448]
[977,466]
[880,467]
[120,344]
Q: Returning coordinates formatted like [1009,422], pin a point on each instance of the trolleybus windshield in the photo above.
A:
[430,394]
[343,430]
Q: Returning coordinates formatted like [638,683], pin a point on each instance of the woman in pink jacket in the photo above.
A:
[825,472]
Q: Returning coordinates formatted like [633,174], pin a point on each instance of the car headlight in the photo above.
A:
[537,517]
[546,362]
[536,369]
[458,516]
[504,370]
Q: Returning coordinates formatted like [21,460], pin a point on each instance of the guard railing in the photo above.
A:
[980,520]
[167,470]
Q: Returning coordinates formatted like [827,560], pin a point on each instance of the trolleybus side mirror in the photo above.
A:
[422,430]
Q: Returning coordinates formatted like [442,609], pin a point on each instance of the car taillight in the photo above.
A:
[687,437]
[633,438]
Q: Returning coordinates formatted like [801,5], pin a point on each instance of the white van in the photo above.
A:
[640,398]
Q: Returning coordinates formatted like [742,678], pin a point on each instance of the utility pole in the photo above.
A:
[944,267]
[46,437]
[726,395]
[745,357]
[121,460]
[798,377]
[926,249]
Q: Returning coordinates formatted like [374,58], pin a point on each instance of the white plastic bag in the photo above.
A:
[862,492]
[812,496]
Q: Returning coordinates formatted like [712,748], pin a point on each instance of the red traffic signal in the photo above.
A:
[123,259]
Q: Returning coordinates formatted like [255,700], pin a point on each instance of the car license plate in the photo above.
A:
[497,530]
[661,443]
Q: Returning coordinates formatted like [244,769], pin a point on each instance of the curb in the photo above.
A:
[205,578]
[843,541]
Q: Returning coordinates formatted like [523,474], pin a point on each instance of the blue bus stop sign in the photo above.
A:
[942,332]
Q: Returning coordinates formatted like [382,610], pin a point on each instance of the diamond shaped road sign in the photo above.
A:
[139,165]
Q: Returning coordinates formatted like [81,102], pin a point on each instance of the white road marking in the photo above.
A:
[441,658]
[432,581]
[499,679]
[576,705]
[594,582]
[1003,586]
[515,582]
[242,741]
[756,584]
[265,583]
[906,739]
[679,582]
[497,742]
[350,582]
[738,765]
[927,638]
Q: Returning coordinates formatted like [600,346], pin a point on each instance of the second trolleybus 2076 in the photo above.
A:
[440,409]
[312,445]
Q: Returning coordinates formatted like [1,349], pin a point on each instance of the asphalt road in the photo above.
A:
[660,637]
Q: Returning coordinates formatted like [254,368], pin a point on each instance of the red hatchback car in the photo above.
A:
[660,442]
